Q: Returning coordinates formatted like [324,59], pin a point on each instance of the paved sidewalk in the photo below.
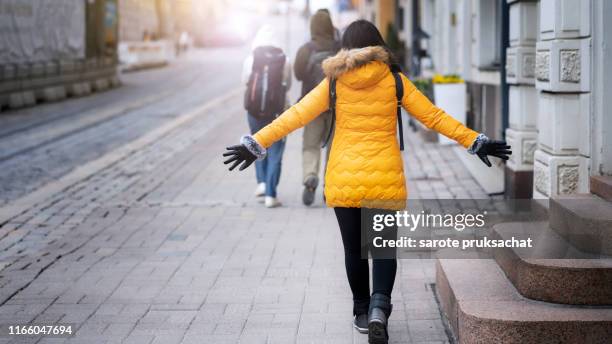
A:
[166,246]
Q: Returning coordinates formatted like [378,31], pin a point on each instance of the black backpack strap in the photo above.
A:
[332,109]
[399,95]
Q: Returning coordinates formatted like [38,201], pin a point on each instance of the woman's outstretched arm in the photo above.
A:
[437,119]
[297,116]
[254,147]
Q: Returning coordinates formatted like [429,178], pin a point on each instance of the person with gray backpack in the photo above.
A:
[308,70]
[267,75]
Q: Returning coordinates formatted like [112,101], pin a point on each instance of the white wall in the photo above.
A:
[601,129]
[467,46]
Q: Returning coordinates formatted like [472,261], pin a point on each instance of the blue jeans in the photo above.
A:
[268,170]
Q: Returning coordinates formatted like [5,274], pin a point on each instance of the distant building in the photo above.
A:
[53,50]
[379,12]
[148,36]
[183,13]
[145,19]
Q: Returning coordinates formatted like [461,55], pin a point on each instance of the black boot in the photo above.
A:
[378,315]
[360,315]
[360,323]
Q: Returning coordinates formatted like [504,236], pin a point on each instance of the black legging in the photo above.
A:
[357,269]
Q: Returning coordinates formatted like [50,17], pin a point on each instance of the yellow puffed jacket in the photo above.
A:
[365,167]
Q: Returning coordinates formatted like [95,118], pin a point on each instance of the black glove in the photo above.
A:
[484,146]
[239,154]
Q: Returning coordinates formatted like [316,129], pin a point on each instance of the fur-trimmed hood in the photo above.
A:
[347,60]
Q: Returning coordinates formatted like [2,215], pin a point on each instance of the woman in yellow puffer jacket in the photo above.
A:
[365,167]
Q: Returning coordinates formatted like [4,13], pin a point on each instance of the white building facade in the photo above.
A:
[558,85]
[464,39]
[559,125]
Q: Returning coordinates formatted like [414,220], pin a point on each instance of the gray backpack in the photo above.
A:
[314,69]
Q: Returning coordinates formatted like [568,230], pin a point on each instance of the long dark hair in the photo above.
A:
[361,33]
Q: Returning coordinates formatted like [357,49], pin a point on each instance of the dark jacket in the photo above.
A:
[322,34]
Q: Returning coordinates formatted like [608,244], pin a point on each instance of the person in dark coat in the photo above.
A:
[307,68]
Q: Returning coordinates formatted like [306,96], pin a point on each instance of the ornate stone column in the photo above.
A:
[523,109]
[563,57]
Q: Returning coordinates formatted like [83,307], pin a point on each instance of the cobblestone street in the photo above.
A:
[155,242]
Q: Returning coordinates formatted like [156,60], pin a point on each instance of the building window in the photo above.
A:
[487,34]
[484,110]
[400,18]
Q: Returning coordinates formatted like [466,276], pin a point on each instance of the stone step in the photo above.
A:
[602,187]
[482,306]
[553,270]
[585,220]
